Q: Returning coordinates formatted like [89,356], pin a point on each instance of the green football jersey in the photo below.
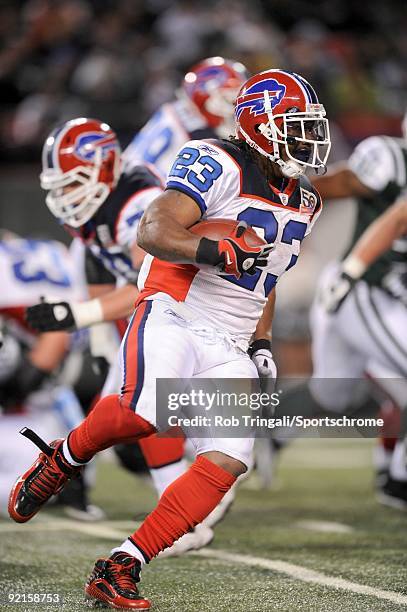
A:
[380,163]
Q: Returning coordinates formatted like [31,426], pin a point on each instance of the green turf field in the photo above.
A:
[263,551]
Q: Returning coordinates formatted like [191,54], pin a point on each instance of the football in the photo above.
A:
[216,229]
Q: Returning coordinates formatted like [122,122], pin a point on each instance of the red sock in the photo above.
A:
[109,423]
[184,504]
[161,450]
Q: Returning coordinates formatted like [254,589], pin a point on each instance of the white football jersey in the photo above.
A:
[226,183]
[379,162]
[31,268]
[161,138]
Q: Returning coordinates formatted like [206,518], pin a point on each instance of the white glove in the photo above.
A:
[337,289]
[260,353]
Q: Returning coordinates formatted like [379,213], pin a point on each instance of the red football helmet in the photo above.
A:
[80,167]
[276,109]
[213,85]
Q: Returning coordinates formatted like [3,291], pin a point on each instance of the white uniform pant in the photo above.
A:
[159,343]
[367,334]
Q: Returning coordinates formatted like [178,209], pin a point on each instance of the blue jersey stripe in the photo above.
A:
[125,353]
[140,354]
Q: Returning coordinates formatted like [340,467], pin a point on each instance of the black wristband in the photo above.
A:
[208,252]
[256,345]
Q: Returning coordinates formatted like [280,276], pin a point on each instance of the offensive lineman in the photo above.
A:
[257,179]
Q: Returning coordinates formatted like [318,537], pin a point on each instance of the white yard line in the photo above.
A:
[302,573]
[324,526]
[108,530]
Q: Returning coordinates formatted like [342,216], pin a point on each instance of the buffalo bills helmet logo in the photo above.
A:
[254,97]
[85,145]
[210,75]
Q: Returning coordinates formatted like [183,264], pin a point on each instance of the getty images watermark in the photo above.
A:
[240,408]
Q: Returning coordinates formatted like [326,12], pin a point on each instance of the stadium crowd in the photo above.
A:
[121,60]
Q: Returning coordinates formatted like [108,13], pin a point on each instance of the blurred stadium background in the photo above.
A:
[119,60]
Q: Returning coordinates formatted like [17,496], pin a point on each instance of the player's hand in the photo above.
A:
[335,292]
[260,353]
[57,316]
[233,255]
[239,257]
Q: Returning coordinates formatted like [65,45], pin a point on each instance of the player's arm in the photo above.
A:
[374,242]
[200,181]
[340,182]
[260,348]
[163,233]
[371,167]
[118,303]
[107,307]
[263,329]
[162,230]
[107,302]
[378,238]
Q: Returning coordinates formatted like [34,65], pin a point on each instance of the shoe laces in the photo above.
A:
[47,480]
[125,574]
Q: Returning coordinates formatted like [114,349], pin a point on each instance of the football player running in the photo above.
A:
[194,289]
[204,108]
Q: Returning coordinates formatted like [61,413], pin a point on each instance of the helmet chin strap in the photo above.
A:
[290,168]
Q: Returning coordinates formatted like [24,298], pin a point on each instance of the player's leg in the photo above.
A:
[381,334]
[163,455]
[203,533]
[115,418]
[337,375]
[193,496]
[337,380]
[390,452]
[379,328]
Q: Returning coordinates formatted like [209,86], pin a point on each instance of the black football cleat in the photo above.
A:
[114,583]
[393,493]
[46,477]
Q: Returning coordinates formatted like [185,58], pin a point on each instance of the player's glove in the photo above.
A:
[335,292]
[260,353]
[62,316]
[233,255]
